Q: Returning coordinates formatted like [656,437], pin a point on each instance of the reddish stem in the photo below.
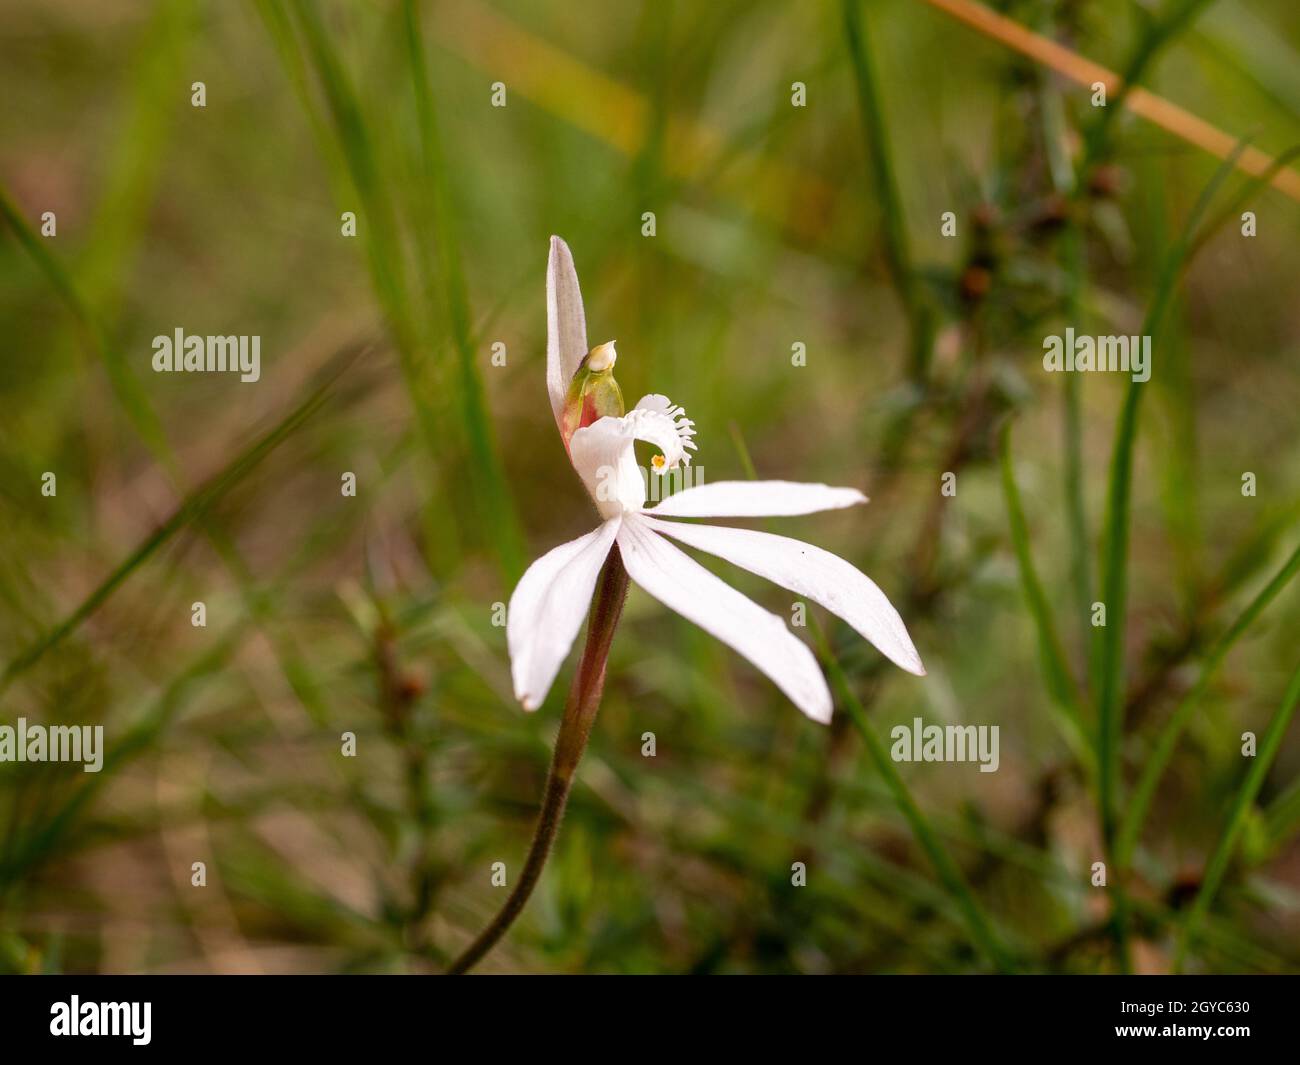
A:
[570,743]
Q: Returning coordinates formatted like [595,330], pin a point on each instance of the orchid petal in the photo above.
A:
[659,421]
[547,608]
[605,459]
[566,326]
[683,585]
[809,571]
[604,456]
[756,499]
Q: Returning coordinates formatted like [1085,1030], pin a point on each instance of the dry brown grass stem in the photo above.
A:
[1156,109]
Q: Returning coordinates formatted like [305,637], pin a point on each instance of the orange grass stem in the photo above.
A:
[1156,109]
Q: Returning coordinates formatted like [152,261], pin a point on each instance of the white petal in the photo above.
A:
[566,326]
[659,421]
[547,608]
[756,499]
[683,585]
[809,571]
[605,459]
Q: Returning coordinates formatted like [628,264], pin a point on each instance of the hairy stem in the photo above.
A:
[571,741]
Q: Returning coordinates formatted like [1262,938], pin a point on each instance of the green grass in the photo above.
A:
[1242,802]
[374,615]
[1061,685]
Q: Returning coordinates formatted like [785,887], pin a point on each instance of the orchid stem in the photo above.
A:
[570,743]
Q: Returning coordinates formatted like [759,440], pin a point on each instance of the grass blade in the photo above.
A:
[1241,804]
[1155,109]
[919,316]
[1056,672]
[1111,669]
[498,513]
[981,930]
[1159,33]
[40,840]
[194,508]
[1110,697]
[1158,759]
[128,391]
[1283,815]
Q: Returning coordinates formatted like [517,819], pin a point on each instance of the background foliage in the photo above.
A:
[775,225]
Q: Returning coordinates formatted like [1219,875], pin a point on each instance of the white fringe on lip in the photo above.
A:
[661,422]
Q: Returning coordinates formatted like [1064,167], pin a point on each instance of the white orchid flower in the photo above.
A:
[548,606]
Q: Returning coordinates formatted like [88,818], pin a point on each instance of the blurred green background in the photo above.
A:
[774,225]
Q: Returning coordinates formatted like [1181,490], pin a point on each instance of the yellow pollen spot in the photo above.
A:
[658,462]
